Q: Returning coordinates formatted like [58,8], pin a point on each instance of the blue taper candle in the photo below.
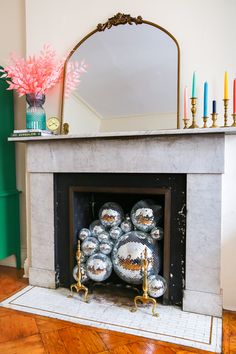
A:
[214,106]
[194,85]
[205,112]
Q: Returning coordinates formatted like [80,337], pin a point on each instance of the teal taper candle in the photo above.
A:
[194,85]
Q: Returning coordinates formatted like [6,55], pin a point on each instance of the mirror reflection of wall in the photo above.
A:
[131,82]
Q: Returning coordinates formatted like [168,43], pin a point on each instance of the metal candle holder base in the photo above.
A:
[214,119]
[193,110]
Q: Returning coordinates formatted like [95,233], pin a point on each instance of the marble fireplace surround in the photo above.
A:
[201,156]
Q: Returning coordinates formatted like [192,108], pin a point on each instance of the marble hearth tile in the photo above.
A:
[160,154]
[203,233]
[203,303]
[42,221]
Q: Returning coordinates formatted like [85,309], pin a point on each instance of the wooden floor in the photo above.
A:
[22,333]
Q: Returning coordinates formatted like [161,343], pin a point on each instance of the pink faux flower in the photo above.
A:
[39,74]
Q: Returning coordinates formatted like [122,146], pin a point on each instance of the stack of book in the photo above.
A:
[30,132]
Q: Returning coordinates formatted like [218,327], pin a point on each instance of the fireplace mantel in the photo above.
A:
[200,154]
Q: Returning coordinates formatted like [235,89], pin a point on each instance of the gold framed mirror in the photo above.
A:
[132,80]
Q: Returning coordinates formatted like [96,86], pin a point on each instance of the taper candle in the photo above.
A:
[185,103]
[194,85]
[234,97]
[226,91]
[205,112]
[214,106]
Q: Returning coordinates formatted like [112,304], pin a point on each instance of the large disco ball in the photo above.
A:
[111,214]
[156,285]
[83,271]
[145,215]
[96,228]
[99,267]
[90,246]
[128,253]
[84,233]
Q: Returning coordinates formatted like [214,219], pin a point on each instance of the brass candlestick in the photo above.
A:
[234,118]
[145,298]
[214,119]
[193,110]
[78,286]
[226,101]
[205,122]
[185,120]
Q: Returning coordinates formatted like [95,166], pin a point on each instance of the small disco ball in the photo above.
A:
[106,247]
[115,232]
[96,228]
[84,276]
[145,215]
[157,233]
[103,236]
[99,267]
[90,246]
[156,285]
[126,225]
[83,258]
[84,233]
[111,214]
[127,256]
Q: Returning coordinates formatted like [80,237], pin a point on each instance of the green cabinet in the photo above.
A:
[9,195]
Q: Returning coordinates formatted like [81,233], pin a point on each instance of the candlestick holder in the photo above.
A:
[78,286]
[214,119]
[205,122]
[234,118]
[185,120]
[145,298]
[193,110]
[226,102]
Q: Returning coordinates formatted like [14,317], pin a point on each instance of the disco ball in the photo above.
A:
[127,256]
[83,258]
[115,232]
[84,233]
[157,233]
[103,236]
[106,247]
[126,225]
[84,276]
[145,215]
[90,246]
[99,267]
[111,214]
[156,285]
[96,228]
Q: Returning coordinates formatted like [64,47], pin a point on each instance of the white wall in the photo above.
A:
[12,29]
[205,31]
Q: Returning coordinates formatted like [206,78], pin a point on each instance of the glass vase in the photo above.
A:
[35,114]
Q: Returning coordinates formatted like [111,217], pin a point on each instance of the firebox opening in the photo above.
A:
[78,198]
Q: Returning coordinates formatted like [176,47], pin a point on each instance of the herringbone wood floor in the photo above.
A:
[22,333]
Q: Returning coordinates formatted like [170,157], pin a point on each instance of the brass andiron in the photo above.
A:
[226,101]
[78,286]
[145,298]
[193,110]
[234,118]
[214,119]
[185,120]
[205,122]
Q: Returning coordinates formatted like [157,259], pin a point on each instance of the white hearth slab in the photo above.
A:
[173,325]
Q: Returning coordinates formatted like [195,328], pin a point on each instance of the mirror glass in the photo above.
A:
[131,83]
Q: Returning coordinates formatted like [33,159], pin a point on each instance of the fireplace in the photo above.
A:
[78,198]
[198,156]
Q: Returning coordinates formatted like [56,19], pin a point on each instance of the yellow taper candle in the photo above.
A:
[226,91]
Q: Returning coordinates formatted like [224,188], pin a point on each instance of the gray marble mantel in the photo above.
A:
[200,155]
